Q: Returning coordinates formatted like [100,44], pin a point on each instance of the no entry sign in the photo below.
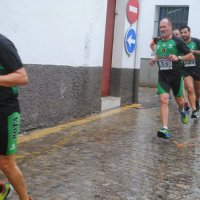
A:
[132,11]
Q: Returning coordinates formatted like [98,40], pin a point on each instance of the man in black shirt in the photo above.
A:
[12,74]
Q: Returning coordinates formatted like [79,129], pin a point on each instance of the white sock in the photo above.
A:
[165,127]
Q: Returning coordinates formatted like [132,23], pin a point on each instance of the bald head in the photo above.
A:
[166,20]
[165,28]
[176,33]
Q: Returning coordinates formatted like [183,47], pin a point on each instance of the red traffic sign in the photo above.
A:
[132,11]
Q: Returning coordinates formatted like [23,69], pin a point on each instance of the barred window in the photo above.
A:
[177,14]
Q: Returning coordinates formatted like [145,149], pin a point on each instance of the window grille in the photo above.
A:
[177,14]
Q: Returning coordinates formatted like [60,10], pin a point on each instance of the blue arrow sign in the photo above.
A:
[130,40]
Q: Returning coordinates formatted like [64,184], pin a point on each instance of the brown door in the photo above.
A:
[108,46]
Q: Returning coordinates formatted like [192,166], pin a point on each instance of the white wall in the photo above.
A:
[146,23]
[57,32]
[118,42]
[120,58]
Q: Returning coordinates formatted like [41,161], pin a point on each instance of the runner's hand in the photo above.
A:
[173,58]
[153,61]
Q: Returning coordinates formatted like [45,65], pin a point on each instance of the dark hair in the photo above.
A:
[188,28]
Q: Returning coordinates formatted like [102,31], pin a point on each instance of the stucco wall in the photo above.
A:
[61,44]
[58,93]
[148,74]
[64,32]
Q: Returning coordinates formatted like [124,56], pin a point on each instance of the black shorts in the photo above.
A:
[9,130]
[167,81]
[194,72]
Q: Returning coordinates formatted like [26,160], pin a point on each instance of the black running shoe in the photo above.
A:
[194,114]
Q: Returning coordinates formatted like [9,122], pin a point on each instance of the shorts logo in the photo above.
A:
[13,147]
[15,127]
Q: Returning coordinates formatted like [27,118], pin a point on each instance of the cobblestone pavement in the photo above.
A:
[115,155]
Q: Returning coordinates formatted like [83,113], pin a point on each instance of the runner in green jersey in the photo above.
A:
[192,70]
[168,56]
[176,32]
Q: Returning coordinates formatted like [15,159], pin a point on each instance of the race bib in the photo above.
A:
[190,63]
[165,64]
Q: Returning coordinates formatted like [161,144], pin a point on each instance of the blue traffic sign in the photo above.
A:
[130,40]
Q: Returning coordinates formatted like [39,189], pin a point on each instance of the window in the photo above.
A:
[177,14]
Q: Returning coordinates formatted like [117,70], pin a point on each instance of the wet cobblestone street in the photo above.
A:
[115,155]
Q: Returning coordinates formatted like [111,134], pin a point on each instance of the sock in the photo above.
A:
[165,127]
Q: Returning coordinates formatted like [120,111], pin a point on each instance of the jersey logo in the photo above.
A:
[158,46]
[170,46]
[163,50]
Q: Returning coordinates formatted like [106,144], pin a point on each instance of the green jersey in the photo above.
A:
[194,44]
[173,46]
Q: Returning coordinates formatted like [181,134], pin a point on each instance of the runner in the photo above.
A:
[168,55]
[176,33]
[12,74]
[191,70]
[152,46]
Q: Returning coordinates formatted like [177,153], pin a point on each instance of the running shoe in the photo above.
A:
[184,117]
[163,133]
[194,114]
[6,191]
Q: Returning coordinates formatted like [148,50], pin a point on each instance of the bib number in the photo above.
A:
[190,63]
[165,64]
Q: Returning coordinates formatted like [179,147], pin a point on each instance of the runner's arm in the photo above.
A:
[152,45]
[186,57]
[197,51]
[153,61]
[185,52]
[18,77]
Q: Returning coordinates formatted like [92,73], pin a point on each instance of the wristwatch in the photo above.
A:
[179,57]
